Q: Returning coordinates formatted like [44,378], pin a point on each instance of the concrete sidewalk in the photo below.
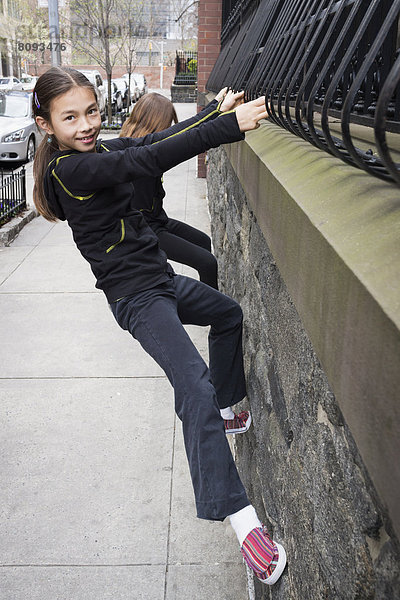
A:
[95,494]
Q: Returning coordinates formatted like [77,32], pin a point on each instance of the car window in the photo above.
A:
[14,106]
[16,80]
[89,76]
[4,80]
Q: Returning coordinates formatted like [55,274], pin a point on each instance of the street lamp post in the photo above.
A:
[160,46]
[54,30]
[162,65]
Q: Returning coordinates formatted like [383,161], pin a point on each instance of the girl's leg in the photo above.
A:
[199,304]
[190,253]
[151,317]
[189,233]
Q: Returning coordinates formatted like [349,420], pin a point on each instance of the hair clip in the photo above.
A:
[37,101]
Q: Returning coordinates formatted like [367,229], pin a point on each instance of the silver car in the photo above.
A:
[10,83]
[28,82]
[138,85]
[99,86]
[141,83]
[122,85]
[19,135]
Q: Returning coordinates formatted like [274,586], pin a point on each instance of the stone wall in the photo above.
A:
[183,93]
[299,461]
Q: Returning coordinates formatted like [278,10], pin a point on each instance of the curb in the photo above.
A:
[10,230]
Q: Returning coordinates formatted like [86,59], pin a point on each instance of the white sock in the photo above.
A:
[227,413]
[244,521]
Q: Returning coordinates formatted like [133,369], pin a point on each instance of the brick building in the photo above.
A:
[210,18]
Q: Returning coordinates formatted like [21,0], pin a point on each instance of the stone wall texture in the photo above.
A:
[299,461]
[183,93]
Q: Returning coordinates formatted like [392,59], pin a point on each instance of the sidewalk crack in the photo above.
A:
[170,509]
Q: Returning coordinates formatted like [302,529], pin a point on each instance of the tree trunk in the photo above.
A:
[109,102]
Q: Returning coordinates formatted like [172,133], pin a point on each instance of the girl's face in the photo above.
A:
[75,120]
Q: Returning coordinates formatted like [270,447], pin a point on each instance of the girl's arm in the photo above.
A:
[209,112]
[227,102]
[224,101]
[87,172]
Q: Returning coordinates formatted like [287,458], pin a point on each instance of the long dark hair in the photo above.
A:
[53,83]
[153,112]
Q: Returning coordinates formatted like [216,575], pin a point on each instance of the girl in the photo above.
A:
[181,242]
[89,184]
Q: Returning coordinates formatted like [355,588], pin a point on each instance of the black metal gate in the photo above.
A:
[185,68]
[12,193]
[324,67]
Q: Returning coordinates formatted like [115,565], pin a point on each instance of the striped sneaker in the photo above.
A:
[265,557]
[239,424]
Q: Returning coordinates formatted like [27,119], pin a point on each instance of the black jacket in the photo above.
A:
[93,191]
[149,191]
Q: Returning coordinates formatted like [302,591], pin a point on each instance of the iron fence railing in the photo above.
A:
[185,67]
[117,120]
[12,194]
[326,68]
[228,6]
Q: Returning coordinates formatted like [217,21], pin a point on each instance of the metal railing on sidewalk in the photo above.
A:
[12,193]
[325,66]
[185,68]
[117,121]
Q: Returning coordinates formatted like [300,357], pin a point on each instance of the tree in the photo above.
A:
[100,35]
[32,34]
[108,28]
[130,12]
[185,15]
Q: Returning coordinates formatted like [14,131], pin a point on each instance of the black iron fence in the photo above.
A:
[185,68]
[12,194]
[326,67]
[117,121]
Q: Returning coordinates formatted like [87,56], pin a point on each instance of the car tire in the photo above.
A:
[30,151]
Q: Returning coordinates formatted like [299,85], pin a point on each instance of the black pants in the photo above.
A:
[155,317]
[190,246]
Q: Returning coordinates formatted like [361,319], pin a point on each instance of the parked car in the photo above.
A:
[141,83]
[19,135]
[116,98]
[122,85]
[100,87]
[28,82]
[10,83]
[135,92]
